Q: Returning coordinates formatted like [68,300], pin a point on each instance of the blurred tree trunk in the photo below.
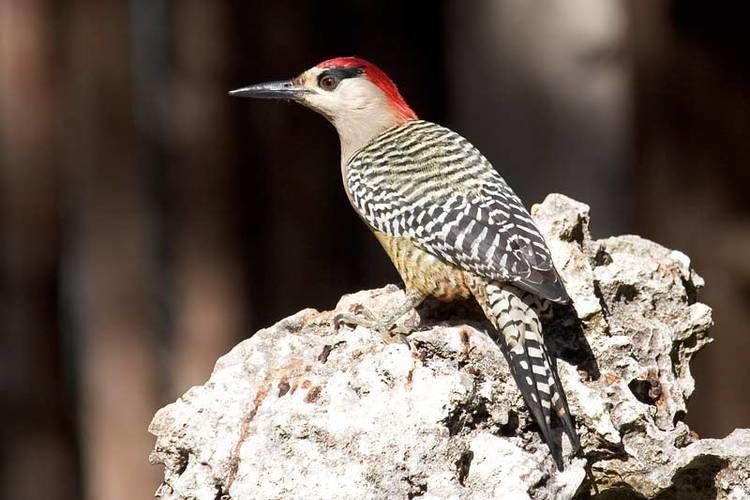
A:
[112,265]
[543,89]
[210,312]
[36,426]
[693,121]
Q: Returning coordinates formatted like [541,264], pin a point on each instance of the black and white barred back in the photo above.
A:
[426,183]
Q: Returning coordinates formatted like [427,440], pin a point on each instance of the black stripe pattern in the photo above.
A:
[520,338]
[427,183]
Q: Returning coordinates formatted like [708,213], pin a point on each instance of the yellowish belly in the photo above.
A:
[424,272]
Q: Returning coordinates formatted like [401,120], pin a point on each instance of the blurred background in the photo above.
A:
[148,222]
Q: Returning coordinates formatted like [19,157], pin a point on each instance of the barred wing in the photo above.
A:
[427,183]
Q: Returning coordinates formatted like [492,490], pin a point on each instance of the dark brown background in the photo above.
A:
[148,222]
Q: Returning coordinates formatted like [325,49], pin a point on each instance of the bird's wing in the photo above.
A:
[429,184]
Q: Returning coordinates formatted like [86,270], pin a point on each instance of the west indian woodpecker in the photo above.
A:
[451,225]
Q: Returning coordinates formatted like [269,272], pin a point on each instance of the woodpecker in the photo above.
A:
[449,222]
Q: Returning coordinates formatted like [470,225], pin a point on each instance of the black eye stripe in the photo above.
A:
[341,73]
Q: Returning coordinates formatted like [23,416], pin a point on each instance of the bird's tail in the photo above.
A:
[520,338]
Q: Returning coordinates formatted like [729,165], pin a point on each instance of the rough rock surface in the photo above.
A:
[301,411]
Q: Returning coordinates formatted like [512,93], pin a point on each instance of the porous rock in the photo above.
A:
[300,410]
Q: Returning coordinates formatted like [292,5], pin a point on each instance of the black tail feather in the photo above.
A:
[536,377]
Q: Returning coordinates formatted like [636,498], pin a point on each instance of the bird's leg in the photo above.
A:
[370,320]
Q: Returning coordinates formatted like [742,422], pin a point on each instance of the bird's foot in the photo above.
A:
[362,316]
[386,327]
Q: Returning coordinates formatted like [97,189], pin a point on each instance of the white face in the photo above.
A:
[354,105]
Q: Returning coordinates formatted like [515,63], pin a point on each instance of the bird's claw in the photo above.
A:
[387,329]
[340,319]
[362,317]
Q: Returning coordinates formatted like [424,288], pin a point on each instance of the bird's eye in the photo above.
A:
[328,82]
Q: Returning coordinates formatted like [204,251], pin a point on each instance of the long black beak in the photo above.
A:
[284,89]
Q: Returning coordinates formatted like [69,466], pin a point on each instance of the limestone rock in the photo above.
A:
[302,411]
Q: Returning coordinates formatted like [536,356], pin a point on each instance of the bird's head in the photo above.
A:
[356,96]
